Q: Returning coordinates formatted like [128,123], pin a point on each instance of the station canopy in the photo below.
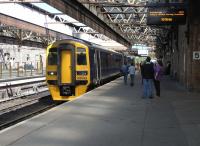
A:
[127,17]
[130,18]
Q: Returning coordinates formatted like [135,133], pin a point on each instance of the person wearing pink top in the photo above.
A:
[158,72]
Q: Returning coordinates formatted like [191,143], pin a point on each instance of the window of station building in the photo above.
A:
[81,56]
[52,56]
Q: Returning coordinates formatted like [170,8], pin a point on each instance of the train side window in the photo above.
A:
[81,56]
[52,56]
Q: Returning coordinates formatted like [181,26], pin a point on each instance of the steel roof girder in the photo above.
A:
[95,11]
[84,30]
[141,3]
[79,12]
[121,18]
[22,35]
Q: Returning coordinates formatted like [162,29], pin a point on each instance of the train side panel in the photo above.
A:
[104,65]
[93,67]
[110,64]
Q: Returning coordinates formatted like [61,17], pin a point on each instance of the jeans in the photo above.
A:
[148,88]
[132,79]
[157,87]
[125,79]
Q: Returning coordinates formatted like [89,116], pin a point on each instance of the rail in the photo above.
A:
[21,87]
[23,111]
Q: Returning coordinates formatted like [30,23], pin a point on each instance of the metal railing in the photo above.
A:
[17,69]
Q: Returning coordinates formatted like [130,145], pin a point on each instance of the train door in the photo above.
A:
[66,69]
[98,66]
[82,69]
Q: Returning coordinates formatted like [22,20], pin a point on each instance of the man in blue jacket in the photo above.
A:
[124,71]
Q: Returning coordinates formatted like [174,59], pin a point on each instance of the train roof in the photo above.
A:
[91,45]
[103,48]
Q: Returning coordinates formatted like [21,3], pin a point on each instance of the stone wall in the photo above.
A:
[184,68]
[194,44]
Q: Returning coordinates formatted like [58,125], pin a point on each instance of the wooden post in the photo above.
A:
[1,70]
[25,68]
[10,69]
[37,67]
[17,69]
[31,69]
[42,68]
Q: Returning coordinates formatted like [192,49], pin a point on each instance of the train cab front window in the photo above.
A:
[52,56]
[81,56]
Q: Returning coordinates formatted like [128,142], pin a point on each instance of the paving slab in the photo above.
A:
[115,114]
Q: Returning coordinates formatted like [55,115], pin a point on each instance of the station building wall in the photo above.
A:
[194,44]
[186,40]
[22,54]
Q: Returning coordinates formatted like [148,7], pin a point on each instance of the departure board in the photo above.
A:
[166,17]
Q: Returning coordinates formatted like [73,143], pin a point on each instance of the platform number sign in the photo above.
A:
[196,55]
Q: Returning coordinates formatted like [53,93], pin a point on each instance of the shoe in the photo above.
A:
[151,97]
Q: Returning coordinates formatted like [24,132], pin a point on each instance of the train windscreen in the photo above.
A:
[81,56]
[52,56]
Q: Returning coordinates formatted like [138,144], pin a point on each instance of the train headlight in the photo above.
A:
[82,73]
[52,73]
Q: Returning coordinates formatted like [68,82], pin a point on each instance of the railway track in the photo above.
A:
[20,112]
[16,88]
[23,98]
[20,102]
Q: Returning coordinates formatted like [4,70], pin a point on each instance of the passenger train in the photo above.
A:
[75,66]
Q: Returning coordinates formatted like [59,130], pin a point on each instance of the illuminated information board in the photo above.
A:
[166,17]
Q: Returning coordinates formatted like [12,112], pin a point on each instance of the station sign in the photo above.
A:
[196,55]
[166,16]
[143,52]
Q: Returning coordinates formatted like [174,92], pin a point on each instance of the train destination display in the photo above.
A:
[166,17]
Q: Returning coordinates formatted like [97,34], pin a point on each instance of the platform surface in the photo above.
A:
[115,115]
[17,81]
